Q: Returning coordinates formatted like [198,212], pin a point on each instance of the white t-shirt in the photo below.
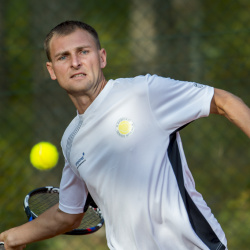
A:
[126,151]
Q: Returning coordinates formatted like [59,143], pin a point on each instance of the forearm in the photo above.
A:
[47,225]
[233,108]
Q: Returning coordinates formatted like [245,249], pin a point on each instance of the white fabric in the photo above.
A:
[127,171]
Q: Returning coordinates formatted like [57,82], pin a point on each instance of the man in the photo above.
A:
[134,165]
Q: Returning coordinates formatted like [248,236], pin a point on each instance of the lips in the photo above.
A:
[78,75]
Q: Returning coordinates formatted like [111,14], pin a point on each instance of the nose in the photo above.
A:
[76,62]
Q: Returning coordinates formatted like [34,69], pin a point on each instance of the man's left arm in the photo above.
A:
[233,108]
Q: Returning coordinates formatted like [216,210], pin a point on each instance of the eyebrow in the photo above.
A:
[63,53]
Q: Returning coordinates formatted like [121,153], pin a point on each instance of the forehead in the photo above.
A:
[78,38]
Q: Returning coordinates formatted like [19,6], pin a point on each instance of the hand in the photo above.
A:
[6,247]
[14,248]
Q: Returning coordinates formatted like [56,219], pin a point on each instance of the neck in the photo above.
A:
[83,101]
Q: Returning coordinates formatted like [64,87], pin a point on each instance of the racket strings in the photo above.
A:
[41,202]
[90,219]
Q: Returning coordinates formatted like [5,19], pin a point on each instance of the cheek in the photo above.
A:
[60,72]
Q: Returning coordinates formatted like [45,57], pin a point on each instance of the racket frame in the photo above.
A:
[50,189]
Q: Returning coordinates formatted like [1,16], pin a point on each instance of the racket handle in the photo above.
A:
[1,245]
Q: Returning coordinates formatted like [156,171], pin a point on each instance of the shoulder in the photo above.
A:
[129,81]
[138,79]
[137,83]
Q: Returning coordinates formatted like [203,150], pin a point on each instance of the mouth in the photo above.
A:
[79,75]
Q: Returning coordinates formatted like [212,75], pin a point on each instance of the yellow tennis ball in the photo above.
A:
[44,156]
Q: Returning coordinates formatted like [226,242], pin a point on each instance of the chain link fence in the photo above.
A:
[203,41]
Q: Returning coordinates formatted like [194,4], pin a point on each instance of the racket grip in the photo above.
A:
[2,246]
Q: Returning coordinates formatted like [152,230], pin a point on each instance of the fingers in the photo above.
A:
[5,247]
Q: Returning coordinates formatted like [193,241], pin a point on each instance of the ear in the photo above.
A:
[51,70]
[103,58]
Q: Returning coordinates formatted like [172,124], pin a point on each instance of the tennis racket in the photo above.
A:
[1,246]
[39,200]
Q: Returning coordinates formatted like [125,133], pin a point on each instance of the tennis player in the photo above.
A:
[124,148]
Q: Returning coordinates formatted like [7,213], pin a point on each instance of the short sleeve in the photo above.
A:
[73,192]
[176,103]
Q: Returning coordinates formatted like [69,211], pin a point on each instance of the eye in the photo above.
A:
[84,52]
[61,58]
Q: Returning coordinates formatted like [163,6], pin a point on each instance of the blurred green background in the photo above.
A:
[204,41]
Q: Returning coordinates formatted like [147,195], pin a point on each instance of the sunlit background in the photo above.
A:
[203,41]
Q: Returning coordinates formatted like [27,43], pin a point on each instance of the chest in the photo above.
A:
[115,135]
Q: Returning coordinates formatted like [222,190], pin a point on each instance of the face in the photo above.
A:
[76,63]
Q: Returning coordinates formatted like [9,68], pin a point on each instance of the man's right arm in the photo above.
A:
[49,224]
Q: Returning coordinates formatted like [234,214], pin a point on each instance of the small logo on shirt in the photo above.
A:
[198,85]
[80,161]
[124,127]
